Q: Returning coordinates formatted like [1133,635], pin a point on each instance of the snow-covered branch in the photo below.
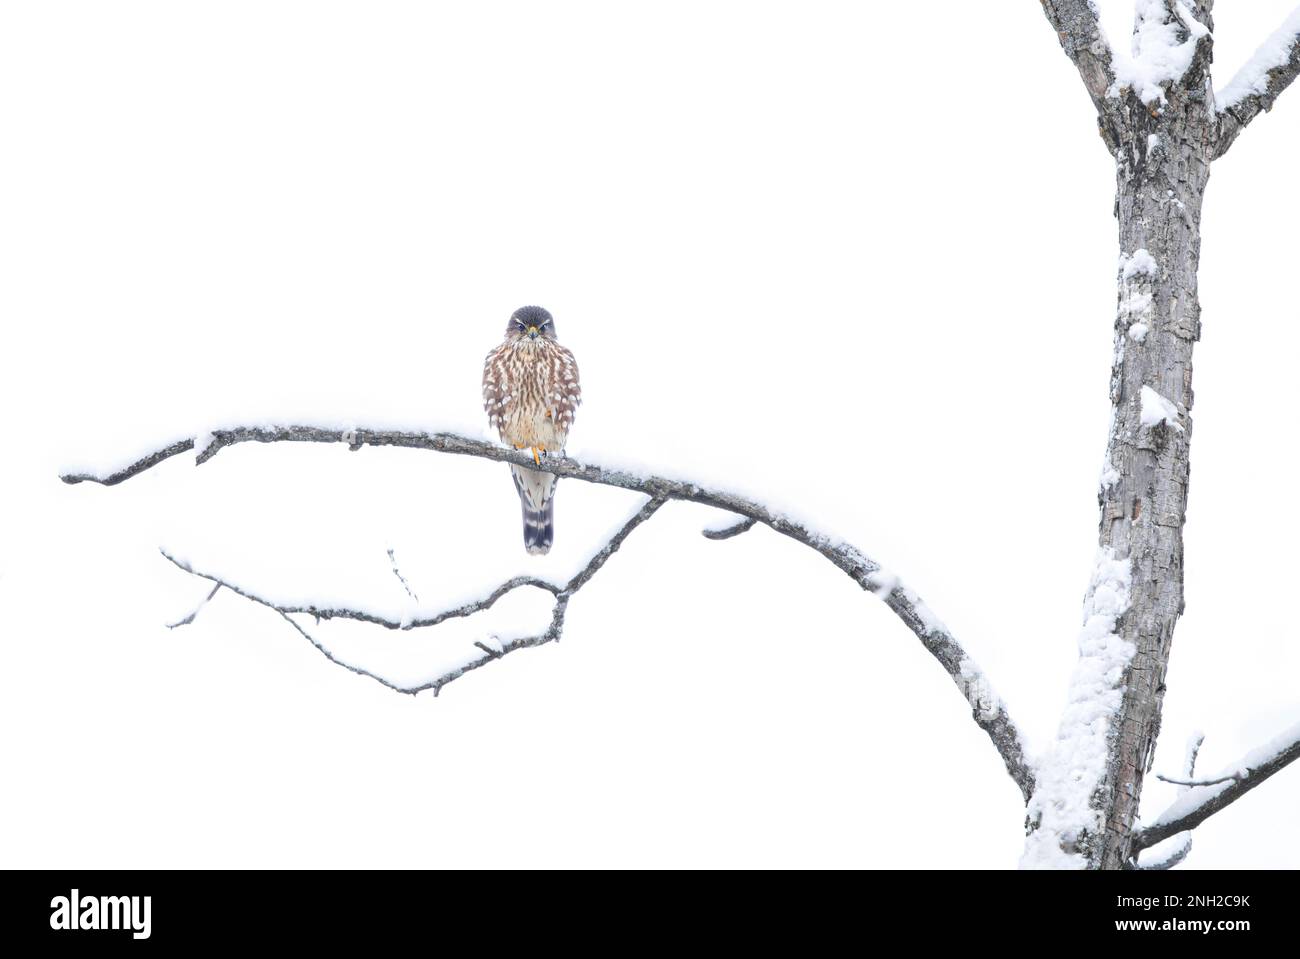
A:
[1259,83]
[1198,803]
[988,710]
[1177,853]
[499,648]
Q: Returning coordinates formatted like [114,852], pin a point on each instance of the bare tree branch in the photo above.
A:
[1078,28]
[551,634]
[727,532]
[1259,83]
[988,710]
[1199,802]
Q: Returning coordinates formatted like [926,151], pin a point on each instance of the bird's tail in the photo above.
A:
[537,495]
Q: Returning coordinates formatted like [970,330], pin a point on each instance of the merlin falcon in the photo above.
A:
[530,392]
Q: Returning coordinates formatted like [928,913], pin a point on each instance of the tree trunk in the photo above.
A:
[1107,737]
[1163,168]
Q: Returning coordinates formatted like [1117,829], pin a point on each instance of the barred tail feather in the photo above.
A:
[539,528]
[537,496]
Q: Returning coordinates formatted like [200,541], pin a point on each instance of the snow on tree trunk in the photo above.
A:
[1082,813]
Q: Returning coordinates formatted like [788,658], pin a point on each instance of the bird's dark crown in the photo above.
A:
[531,317]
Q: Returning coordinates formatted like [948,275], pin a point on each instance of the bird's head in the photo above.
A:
[530,322]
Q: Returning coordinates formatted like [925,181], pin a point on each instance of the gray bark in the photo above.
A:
[1159,193]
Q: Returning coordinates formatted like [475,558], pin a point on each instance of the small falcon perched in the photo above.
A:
[530,392]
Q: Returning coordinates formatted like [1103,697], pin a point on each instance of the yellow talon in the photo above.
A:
[537,459]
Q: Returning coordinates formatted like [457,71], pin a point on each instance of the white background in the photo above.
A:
[858,259]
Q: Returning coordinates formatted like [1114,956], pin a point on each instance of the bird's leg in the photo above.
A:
[536,458]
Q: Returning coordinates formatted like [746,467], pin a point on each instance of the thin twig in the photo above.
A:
[727,532]
[194,612]
[1183,848]
[400,578]
[1197,782]
[339,662]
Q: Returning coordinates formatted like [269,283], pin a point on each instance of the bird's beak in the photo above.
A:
[532,332]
